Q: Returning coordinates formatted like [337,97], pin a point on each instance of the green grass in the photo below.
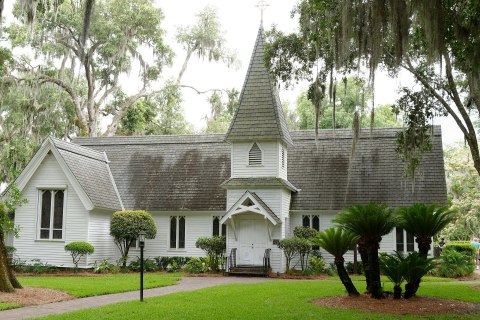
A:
[385,279]
[270,300]
[86,286]
[6,306]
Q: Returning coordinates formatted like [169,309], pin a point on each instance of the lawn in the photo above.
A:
[270,300]
[85,286]
[6,306]
[385,279]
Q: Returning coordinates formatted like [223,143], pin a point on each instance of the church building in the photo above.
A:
[253,184]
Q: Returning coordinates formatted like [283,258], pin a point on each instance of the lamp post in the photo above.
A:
[141,240]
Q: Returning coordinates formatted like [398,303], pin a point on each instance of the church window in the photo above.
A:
[312,221]
[255,155]
[51,214]
[177,232]
[217,228]
[405,240]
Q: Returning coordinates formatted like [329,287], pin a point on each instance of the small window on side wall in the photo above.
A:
[177,232]
[217,228]
[255,155]
[51,214]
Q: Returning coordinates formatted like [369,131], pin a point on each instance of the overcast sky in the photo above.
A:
[240,20]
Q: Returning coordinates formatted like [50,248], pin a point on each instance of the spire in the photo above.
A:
[259,115]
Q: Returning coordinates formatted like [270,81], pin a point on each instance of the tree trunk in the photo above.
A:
[6,284]
[424,246]
[366,268]
[373,263]
[397,292]
[344,277]
[409,290]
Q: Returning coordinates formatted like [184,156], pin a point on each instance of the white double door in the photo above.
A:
[253,240]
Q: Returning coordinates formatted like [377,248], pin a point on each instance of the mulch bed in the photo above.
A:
[413,306]
[30,296]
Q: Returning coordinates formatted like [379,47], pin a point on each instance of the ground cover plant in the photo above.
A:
[85,286]
[269,300]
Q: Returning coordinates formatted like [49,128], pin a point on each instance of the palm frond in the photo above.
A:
[335,241]
[423,220]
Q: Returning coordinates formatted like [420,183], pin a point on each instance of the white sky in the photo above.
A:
[240,20]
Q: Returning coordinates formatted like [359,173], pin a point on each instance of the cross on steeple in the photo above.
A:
[262,5]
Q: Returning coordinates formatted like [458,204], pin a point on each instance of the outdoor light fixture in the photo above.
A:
[141,242]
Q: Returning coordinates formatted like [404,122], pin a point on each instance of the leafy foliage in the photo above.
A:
[148,265]
[416,267]
[291,247]
[465,248]
[337,242]
[197,265]
[425,221]
[455,264]
[105,267]
[393,266]
[214,247]
[125,227]
[79,249]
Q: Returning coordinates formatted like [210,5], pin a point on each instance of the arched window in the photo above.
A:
[255,155]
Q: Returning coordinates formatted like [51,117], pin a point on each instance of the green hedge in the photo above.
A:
[461,246]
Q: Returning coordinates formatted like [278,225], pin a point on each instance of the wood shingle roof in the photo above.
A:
[185,172]
[259,115]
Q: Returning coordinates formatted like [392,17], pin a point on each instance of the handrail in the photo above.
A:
[232,259]
[266,262]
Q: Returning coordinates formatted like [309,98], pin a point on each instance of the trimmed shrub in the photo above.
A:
[196,265]
[148,265]
[464,247]
[304,232]
[214,247]
[292,246]
[78,250]
[455,264]
[125,227]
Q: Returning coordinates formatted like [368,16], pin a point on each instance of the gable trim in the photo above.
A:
[27,173]
[258,207]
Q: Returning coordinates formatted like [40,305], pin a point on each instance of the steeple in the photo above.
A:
[259,115]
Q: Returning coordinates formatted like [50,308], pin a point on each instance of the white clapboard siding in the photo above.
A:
[276,255]
[269,166]
[99,237]
[75,219]
[197,224]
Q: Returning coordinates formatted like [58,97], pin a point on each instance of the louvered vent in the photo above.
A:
[255,155]
[283,157]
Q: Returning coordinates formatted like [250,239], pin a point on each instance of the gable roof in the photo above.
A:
[259,115]
[185,172]
[259,207]
[86,170]
[91,170]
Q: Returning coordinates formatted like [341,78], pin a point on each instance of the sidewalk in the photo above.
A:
[186,284]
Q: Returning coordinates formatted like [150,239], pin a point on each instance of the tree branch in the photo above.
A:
[202,92]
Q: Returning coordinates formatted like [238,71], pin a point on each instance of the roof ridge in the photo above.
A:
[100,155]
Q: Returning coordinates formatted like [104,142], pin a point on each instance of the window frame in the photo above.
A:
[261,155]
[310,217]
[53,190]
[221,227]
[177,233]
[405,243]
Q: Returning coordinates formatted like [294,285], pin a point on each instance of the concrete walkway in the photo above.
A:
[186,284]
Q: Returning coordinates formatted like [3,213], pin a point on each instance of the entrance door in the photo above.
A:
[253,241]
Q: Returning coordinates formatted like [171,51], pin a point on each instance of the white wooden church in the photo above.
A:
[253,184]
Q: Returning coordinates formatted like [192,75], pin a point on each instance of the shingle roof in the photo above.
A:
[90,168]
[259,114]
[167,173]
[376,173]
[186,172]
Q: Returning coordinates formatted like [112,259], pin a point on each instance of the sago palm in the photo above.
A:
[416,266]
[393,266]
[425,221]
[370,222]
[337,242]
